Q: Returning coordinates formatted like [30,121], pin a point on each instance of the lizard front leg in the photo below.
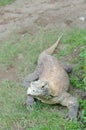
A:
[71,102]
[29,102]
[32,77]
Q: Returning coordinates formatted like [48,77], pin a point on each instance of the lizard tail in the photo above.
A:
[51,49]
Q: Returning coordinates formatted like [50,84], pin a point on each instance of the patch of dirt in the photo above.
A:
[29,16]
[17,126]
[10,73]
[36,14]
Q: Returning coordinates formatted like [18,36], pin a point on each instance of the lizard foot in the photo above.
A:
[30,102]
[71,115]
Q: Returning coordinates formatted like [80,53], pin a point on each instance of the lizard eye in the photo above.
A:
[43,86]
[51,95]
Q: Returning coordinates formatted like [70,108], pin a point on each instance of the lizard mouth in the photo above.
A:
[39,92]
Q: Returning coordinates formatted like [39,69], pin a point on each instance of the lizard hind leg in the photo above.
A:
[67,67]
[71,102]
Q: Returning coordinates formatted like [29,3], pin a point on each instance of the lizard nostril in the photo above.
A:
[33,90]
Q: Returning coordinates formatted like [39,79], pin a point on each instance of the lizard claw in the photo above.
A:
[29,103]
[70,116]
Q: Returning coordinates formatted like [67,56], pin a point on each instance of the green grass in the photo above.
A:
[13,113]
[5,2]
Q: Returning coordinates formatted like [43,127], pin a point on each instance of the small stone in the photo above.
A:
[82,19]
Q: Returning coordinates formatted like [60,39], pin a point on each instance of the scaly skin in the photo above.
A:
[50,82]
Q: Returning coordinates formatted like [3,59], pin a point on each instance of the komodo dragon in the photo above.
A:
[50,82]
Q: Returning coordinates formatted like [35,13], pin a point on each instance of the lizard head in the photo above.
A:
[38,88]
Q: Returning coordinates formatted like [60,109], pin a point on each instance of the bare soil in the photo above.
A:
[30,15]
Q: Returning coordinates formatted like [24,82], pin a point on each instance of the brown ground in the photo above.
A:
[29,16]
[32,15]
